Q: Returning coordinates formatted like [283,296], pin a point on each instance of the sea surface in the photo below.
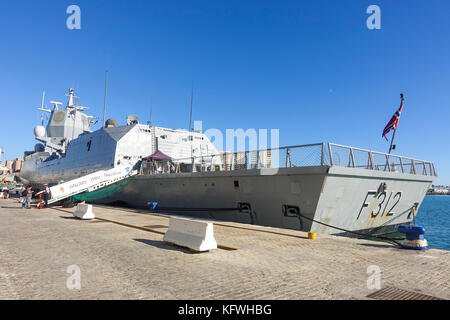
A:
[434,216]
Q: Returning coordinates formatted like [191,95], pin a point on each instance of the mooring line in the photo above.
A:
[215,223]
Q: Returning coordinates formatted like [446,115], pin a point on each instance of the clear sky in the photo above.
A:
[309,68]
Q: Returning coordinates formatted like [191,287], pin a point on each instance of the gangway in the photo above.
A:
[89,183]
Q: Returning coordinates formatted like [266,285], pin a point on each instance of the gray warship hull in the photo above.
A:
[322,199]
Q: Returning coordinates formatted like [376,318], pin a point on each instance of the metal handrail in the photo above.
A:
[389,165]
[258,150]
[242,160]
[377,152]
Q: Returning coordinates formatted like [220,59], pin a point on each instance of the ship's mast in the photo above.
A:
[104,103]
[149,122]
[70,95]
[70,105]
[192,101]
[42,107]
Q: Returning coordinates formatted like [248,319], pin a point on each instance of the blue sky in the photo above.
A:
[309,68]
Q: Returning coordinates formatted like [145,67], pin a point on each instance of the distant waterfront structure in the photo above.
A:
[3,169]
[445,190]
[17,165]
[11,166]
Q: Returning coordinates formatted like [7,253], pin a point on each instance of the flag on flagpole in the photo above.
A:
[392,124]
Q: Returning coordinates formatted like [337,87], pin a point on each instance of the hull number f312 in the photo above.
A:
[382,201]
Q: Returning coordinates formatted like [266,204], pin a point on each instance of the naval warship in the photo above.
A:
[322,187]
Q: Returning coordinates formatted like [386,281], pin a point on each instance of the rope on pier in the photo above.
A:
[394,240]
[357,233]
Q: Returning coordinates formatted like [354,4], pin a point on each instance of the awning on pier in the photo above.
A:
[158,156]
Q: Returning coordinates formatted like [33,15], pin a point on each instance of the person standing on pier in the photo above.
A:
[29,195]
[23,197]
[46,195]
[5,192]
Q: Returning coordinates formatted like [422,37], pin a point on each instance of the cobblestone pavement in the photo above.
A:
[119,262]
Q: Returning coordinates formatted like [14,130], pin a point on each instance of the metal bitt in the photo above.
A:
[414,237]
[153,205]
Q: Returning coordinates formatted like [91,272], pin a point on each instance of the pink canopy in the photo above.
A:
[158,156]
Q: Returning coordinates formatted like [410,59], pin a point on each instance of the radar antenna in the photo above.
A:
[42,108]
[42,104]
[55,104]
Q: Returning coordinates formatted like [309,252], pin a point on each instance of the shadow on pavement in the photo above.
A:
[165,245]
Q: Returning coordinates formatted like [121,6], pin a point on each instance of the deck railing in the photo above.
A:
[308,155]
[366,159]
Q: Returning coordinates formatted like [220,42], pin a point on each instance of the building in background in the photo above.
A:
[11,166]
[17,165]
[3,169]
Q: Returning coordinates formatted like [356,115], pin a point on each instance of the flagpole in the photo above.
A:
[392,140]
[395,128]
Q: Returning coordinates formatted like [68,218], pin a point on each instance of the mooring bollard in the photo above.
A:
[311,235]
[153,206]
[414,237]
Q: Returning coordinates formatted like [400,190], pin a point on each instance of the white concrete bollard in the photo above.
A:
[84,211]
[193,234]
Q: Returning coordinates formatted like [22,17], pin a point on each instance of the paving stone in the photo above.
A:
[119,262]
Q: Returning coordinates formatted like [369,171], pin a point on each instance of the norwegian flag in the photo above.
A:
[392,124]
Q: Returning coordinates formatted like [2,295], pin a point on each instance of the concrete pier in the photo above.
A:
[121,255]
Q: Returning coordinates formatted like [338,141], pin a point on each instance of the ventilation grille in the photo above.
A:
[392,293]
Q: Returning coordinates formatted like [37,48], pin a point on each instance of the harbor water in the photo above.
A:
[434,216]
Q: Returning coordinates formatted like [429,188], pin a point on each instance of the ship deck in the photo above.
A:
[121,255]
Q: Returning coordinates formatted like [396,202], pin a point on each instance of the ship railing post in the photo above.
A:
[331,155]
[401,164]
[371,161]
[352,157]
[413,166]
[287,157]
[387,165]
[434,170]
[258,160]
[247,159]
[424,168]
[322,155]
